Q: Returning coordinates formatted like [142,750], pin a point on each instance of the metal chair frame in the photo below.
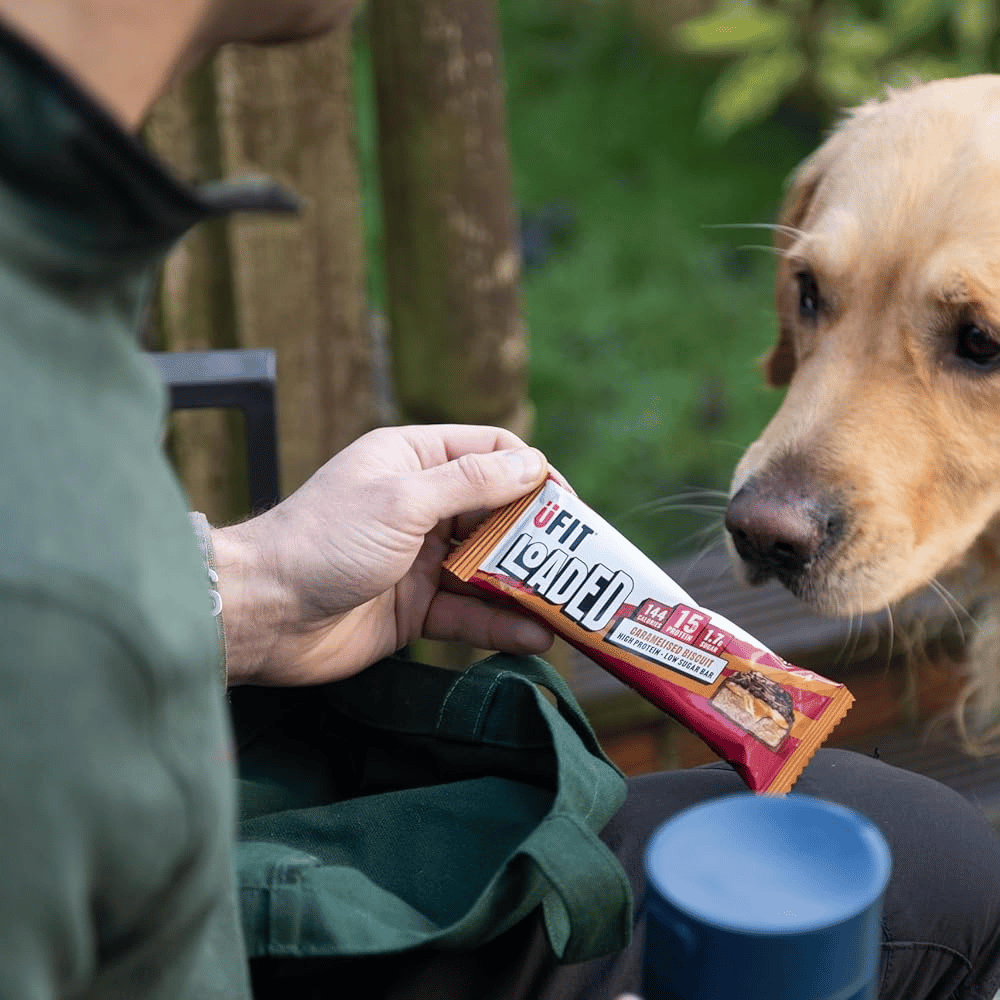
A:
[240,379]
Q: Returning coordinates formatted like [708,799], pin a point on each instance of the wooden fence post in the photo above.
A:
[194,308]
[288,113]
[451,251]
[292,284]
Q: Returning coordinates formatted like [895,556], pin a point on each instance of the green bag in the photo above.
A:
[411,806]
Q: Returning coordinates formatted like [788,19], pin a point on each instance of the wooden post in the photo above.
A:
[292,284]
[451,251]
[194,310]
[288,113]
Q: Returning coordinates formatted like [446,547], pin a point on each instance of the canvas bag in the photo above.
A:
[412,806]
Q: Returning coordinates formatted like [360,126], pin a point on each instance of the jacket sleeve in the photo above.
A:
[115,873]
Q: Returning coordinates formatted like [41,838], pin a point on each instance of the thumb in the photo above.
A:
[475,481]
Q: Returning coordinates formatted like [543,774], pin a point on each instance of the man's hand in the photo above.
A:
[347,569]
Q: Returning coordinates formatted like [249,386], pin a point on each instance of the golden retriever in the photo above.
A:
[881,470]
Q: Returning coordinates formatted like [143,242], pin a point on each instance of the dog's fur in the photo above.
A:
[882,465]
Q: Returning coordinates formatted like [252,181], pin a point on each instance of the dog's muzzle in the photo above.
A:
[781,532]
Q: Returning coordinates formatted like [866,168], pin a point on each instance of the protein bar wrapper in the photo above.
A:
[565,565]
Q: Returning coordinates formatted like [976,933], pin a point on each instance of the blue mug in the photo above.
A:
[764,898]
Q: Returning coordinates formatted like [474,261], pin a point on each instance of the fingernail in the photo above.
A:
[525,464]
[532,637]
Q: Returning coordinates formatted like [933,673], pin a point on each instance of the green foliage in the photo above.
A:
[646,321]
[735,31]
[829,54]
[751,88]
[974,24]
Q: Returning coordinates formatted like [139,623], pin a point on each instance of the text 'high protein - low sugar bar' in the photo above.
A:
[565,565]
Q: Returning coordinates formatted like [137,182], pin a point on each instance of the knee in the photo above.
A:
[945,886]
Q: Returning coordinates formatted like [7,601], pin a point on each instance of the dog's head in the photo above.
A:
[882,467]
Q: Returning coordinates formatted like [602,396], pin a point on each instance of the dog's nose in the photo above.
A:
[773,534]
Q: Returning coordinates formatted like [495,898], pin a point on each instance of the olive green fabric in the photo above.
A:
[412,806]
[117,804]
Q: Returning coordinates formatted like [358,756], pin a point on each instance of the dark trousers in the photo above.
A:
[941,936]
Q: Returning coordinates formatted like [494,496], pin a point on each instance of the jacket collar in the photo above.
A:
[80,194]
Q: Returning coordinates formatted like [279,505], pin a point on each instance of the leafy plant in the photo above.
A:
[830,53]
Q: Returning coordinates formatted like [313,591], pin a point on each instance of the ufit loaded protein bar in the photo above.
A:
[565,565]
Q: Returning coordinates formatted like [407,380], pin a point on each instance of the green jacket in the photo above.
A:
[116,787]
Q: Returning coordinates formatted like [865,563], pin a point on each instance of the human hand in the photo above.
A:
[347,569]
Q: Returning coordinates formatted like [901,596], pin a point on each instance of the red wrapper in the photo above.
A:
[566,566]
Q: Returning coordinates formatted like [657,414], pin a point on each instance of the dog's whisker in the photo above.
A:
[705,491]
[841,656]
[892,630]
[705,499]
[712,546]
[774,227]
[849,647]
[859,633]
[873,634]
[717,527]
[950,598]
[723,567]
[694,508]
[762,246]
[688,495]
[696,537]
[661,504]
[838,613]
[953,605]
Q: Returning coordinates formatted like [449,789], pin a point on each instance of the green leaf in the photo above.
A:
[856,40]
[921,68]
[844,83]
[911,18]
[749,90]
[727,32]
[974,24]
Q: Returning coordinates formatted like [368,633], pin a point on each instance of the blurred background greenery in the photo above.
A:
[641,131]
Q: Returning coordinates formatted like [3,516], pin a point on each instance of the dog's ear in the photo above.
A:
[779,363]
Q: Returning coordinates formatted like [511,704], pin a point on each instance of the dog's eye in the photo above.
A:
[808,295]
[976,347]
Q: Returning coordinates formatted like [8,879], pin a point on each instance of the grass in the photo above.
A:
[646,323]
